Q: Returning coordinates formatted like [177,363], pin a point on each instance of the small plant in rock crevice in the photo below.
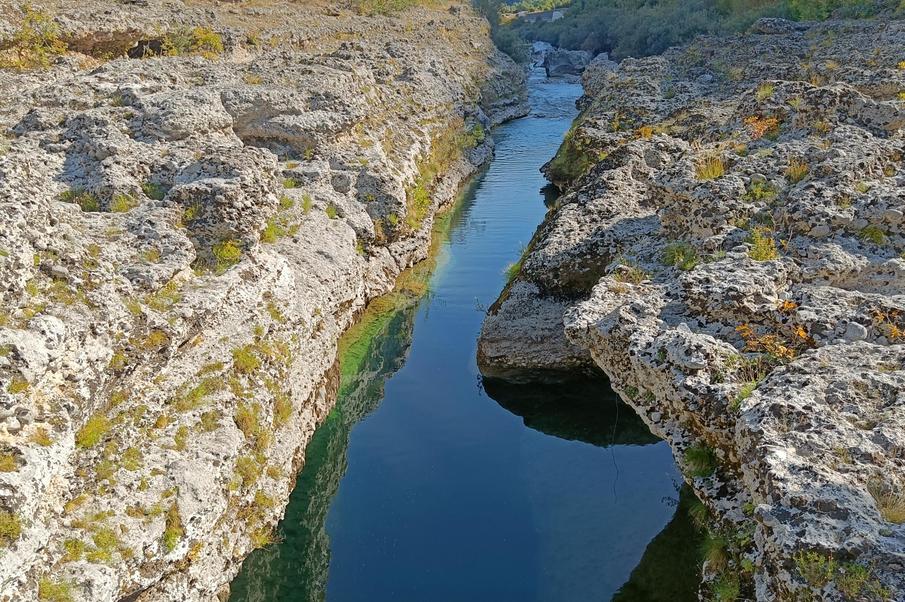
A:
[701,460]
[763,247]
[227,253]
[874,234]
[154,191]
[93,432]
[815,568]
[10,528]
[680,255]
[173,529]
[50,590]
[890,501]
[764,91]
[797,171]
[710,168]
[86,201]
[122,203]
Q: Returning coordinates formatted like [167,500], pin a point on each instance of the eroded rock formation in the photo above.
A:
[183,238]
[729,250]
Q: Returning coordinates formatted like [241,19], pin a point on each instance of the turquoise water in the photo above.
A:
[428,484]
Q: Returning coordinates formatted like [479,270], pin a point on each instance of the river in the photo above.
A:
[428,484]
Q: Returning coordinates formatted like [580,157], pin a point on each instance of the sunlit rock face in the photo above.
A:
[729,250]
[191,213]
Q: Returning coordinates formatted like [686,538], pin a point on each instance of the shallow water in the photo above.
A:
[427,483]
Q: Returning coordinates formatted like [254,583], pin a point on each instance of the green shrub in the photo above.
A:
[681,255]
[210,420]
[85,200]
[248,470]
[815,568]
[760,192]
[105,544]
[93,432]
[181,438]
[330,210]
[173,531]
[282,409]
[8,463]
[385,7]
[227,253]
[121,203]
[763,247]
[154,191]
[248,419]
[419,203]
[890,501]
[273,231]
[764,91]
[701,460]
[874,234]
[194,397]
[17,385]
[74,550]
[10,528]
[54,591]
[643,27]
[34,44]
[245,361]
[132,459]
[726,588]
[199,40]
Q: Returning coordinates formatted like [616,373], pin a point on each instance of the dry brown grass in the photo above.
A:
[890,501]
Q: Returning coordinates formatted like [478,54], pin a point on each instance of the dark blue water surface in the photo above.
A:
[427,484]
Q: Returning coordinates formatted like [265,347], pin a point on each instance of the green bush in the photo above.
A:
[93,432]
[200,40]
[54,591]
[645,27]
[34,44]
[10,528]
[385,7]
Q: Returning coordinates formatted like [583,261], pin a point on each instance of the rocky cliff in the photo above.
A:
[196,200]
[729,250]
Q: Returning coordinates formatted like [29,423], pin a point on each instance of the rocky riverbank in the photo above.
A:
[196,200]
[729,250]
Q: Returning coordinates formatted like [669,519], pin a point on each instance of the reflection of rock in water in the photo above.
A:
[669,570]
[591,412]
[299,572]
[586,411]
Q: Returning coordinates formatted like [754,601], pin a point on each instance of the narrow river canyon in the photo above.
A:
[428,483]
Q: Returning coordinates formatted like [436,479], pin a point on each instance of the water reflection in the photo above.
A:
[587,411]
[297,568]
